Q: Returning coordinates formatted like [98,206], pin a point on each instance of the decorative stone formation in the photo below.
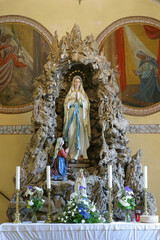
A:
[69,56]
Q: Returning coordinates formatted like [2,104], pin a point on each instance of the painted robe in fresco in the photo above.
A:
[8,59]
[149,86]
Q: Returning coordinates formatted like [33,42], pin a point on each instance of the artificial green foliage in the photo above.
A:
[35,200]
[80,210]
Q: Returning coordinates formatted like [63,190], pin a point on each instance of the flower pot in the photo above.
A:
[127,217]
[34,217]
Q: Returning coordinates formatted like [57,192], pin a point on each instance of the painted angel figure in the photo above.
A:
[77,131]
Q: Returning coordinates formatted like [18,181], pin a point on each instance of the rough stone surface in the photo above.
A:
[72,55]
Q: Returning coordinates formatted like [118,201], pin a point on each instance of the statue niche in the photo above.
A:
[108,143]
[87,118]
[77,131]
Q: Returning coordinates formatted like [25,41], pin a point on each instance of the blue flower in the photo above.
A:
[81,187]
[127,189]
[30,188]
[85,214]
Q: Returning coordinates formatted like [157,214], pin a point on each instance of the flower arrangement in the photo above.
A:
[126,199]
[80,210]
[35,200]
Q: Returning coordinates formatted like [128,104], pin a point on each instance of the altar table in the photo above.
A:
[112,231]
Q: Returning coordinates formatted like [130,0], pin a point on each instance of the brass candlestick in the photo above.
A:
[49,220]
[145,202]
[17,220]
[110,219]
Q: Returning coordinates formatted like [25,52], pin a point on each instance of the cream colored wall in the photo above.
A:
[93,16]
[149,143]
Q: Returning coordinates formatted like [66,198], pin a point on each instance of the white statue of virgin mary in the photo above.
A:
[77,131]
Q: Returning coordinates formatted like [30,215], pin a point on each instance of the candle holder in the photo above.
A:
[110,219]
[17,220]
[49,220]
[145,202]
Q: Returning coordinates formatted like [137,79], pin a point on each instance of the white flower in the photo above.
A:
[103,219]
[58,218]
[85,202]
[119,194]
[30,203]
[74,196]
[38,189]
[66,217]
[124,203]
[129,193]
[83,221]
[42,200]
[93,209]
[79,210]
[65,221]
[84,195]
[129,197]
[28,192]
[62,219]
[72,214]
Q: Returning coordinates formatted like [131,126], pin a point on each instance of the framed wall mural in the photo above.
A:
[24,47]
[132,45]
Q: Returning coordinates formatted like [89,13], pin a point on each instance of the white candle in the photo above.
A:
[18,177]
[145,177]
[48,177]
[110,176]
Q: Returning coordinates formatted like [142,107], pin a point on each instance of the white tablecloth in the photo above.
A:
[112,231]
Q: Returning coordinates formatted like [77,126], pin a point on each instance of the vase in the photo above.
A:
[127,217]
[34,217]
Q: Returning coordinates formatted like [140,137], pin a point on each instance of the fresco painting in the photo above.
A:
[134,53]
[23,53]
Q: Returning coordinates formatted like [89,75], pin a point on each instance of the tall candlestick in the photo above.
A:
[48,177]
[145,177]
[18,177]
[110,176]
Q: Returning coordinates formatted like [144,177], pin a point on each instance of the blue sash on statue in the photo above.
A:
[75,114]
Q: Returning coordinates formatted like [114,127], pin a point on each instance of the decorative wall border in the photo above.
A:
[112,27]
[48,37]
[15,130]
[144,128]
[28,21]
[26,129]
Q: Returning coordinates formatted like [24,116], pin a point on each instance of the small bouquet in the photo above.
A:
[80,210]
[126,199]
[35,200]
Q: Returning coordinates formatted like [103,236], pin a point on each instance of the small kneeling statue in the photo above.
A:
[58,167]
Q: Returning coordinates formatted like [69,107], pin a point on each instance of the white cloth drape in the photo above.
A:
[113,231]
